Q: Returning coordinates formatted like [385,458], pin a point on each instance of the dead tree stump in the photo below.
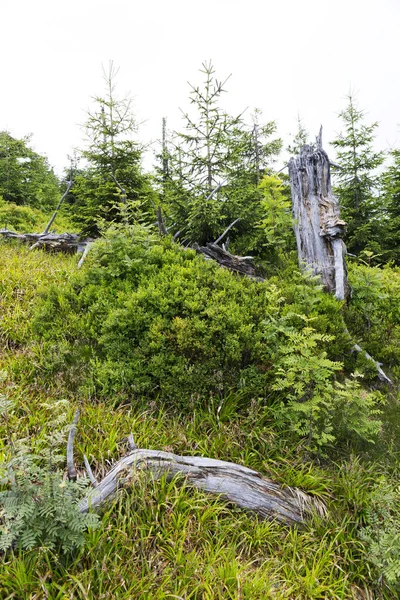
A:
[318,227]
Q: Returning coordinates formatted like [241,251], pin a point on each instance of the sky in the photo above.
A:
[287,58]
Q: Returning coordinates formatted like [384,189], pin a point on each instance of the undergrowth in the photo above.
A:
[161,539]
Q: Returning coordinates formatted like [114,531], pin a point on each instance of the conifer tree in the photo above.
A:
[25,176]
[215,164]
[357,178]
[299,139]
[112,187]
[391,192]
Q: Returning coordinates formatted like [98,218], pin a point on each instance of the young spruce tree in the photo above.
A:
[357,179]
[391,193]
[112,187]
[214,166]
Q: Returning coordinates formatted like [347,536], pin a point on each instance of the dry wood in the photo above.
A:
[162,230]
[70,449]
[221,237]
[239,264]
[65,194]
[318,226]
[89,471]
[62,242]
[237,484]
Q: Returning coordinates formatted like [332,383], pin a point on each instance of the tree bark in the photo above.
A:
[318,226]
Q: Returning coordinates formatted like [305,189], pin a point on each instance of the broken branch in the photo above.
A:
[72,475]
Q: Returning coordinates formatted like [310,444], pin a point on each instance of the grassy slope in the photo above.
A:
[160,540]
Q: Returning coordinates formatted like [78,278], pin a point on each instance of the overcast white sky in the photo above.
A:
[287,57]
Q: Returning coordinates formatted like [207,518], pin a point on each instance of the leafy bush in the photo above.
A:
[373,315]
[26,219]
[148,318]
[382,532]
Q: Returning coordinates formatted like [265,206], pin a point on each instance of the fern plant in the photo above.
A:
[313,404]
[382,533]
[38,507]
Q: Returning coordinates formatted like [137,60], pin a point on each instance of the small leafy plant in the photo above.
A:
[38,507]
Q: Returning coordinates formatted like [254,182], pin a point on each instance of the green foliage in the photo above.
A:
[112,188]
[26,219]
[390,230]
[373,314]
[299,139]
[211,171]
[357,179]
[25,176]
[382,532]
[37,506]
[149,318]
[160,539]
[312,403]
[277,222]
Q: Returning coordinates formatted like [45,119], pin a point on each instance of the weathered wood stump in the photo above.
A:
[318,226]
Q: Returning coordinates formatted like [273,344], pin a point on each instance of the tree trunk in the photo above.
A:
[318,227]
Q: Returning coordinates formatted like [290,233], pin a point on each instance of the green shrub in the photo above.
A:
[148,318]
[26,219]
[382,532]
[373,315]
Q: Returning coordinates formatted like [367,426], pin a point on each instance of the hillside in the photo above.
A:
[223,367]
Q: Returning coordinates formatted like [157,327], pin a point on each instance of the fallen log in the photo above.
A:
[238,264]
[56,242]
[237,484]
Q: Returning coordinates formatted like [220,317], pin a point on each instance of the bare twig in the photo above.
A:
[131,442]
[215,190]
[119,186]
[381,374]
[65,194]
[70,449]
[221,237]
[89,471]
[84,255]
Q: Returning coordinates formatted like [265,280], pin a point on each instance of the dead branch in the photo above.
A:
[55,242]
[84,255]
[65,194]
[162,230]
[221,237]
[121,189]
[70,449]
[239,264]
[215,190]
[237,484]
[381,374]
[89,471]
